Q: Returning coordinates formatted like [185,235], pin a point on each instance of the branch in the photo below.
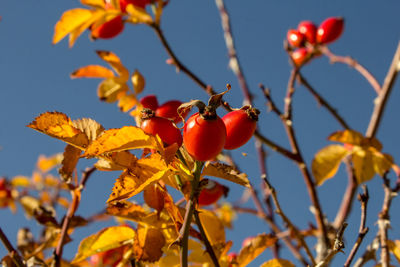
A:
[70,213]
[337,247]
[234,63]
[363,198]
[383,96]
[354,64]
[14,255]
[369,253]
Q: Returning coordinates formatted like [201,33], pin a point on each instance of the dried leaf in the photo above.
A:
[106,239]
[254,248]
[70,160]
[212,226]
[138,82]
[126,209]
[278,263]
[115,63]
[125,138]
[148,244]
[173,211]
[111,90]
[363,164]
[138,15]
[60,126]
[69,21]
[90,127]
[116,161]
[92,71]
[348,137]
[127,102]
[226,172]
[326,162]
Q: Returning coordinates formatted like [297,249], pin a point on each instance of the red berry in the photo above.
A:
[211,193]
[330,30]
[138,3]
[300,56]
[149,101]
[169,110]
[109,29]
[295,38]
[5,193]
[204,138]
[240,126]
[164,128]
[309,30]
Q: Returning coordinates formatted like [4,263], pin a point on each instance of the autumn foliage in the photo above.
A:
[169,152]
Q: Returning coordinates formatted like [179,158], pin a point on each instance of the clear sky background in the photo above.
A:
[35,79]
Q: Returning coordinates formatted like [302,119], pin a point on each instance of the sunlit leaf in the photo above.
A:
[173,211]
[20,180]
[226,172]
[212,226]
[394,248]
[70,160]
[45,164]
[125,138]
[277,263]
[106,239]
[92,71]
[347,137]
[115,63]
[69,21]
[94,3]
[43,214]
[226,214]
[116,161]
[138,82]
[127,102]
[254,248]
[326,162]
[138,15]
[363,164]
[382,162]
[198,255]
[60,126]
[148,244]
[98,16]
[90,127]
[111,90]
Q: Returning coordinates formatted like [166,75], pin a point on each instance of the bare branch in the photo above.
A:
[14,255]
[338,246]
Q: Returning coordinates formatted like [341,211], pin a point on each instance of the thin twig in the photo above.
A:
[70,213]
[14,255]
[380,101]
[354,64]
[289,224]
[270,102]
[369,253]
[363,198]
[338,246]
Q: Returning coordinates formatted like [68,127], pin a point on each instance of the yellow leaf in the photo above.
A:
[363,164]
[382,162]
[115,63]
[138,15]
[226,214]
[277,263]
[326,162]
[394,248]
[92,71]
[98,15]
[173,211]
[347,137]
[20,180]
[116,161]
[127,102]
[148,244]
[90,127]
[71,158]
[94,3]
[60,126]
[106,239]
[254,248]
[134,180]
[110,90]
[213,227]
[69,21]
[45,164]
[125,138]
[226,172]
[138,82]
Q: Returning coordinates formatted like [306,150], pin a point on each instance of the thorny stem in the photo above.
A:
[383,96]
[384,222]
[289,224]
[190,206]
[70,213]
[363,198]
[16,258]
[338,246]
[209,248]
[354,64]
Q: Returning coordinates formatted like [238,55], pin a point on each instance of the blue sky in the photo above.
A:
[35,79]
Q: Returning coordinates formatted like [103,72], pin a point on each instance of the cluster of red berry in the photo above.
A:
[307,37]
[115,26]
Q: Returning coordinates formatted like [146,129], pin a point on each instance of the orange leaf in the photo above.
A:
[106,239]
[92,71]
[347,137]
[115,63]
[127,102]
[173,211]
[226,172]
[94,3]
[326,162]
[148,244]
[69,162]
[382,162]
[277,263]
[45,164]
[116,161]
[111,90]
[138,15]
[363,164]
[60,126]
[69,21]
[138,82]
[126,209]
[125,138]
[254,248]
[213,227]
[394,248]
